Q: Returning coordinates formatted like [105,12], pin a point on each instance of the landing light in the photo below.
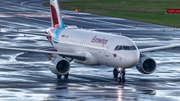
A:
[119,69]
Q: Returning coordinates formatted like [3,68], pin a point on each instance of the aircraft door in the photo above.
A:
[101,54]
[108,46]
[105,54]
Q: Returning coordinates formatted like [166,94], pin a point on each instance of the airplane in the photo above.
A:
[91,48]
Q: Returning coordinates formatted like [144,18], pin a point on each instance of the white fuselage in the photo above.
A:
[99,47]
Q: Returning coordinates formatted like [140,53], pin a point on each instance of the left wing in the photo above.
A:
[79,56]
[157,48]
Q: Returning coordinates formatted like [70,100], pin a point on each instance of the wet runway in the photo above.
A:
[26,77]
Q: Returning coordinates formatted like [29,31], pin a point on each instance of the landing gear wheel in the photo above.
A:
[121,79]
[115,73]
[66,76]
[59,77]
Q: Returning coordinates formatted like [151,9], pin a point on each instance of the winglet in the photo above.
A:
[56,19]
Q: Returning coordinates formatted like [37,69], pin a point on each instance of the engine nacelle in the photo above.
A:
[90,59]
[146,65]
[59,66]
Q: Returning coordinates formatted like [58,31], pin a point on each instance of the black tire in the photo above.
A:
[123,74]
[66,76]
[115,73]
[59,77]
[123,80]
[119,80]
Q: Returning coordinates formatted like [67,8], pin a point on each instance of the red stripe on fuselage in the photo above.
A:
[54,17]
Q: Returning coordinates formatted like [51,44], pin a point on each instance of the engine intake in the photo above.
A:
[146,65]
[59,66]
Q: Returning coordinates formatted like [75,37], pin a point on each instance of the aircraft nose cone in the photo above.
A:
[132,59]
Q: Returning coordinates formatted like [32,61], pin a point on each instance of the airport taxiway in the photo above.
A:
[26,77]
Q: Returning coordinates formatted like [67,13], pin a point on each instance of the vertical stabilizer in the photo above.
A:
[56,19]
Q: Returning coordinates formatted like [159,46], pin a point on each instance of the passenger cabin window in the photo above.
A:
[119,47]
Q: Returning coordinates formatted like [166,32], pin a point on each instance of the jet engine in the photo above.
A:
[59,66]
[146,65]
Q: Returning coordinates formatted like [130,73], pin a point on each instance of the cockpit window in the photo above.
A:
[116,47]
[126,48]
[119,47]
[133,48]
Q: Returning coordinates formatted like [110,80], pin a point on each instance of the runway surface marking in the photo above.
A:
[4,15]
[19,8]
[33,15]
[19,24]
[42,15]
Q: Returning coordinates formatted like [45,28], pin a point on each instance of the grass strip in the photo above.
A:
[151,11]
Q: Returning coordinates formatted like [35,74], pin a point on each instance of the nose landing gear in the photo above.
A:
[121,71]
[121,79]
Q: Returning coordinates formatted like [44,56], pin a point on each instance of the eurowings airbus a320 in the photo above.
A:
[92,48]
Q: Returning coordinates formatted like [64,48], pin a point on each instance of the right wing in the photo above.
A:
[78,56]
[151,49]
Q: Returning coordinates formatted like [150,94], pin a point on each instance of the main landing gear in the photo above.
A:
[121,71]
[65,76]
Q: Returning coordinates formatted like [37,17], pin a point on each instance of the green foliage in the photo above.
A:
[152,11]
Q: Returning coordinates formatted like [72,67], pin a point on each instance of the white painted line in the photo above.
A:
[4,15]
[33,15]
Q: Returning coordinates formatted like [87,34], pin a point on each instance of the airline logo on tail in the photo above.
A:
[56,20]
[54,17]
